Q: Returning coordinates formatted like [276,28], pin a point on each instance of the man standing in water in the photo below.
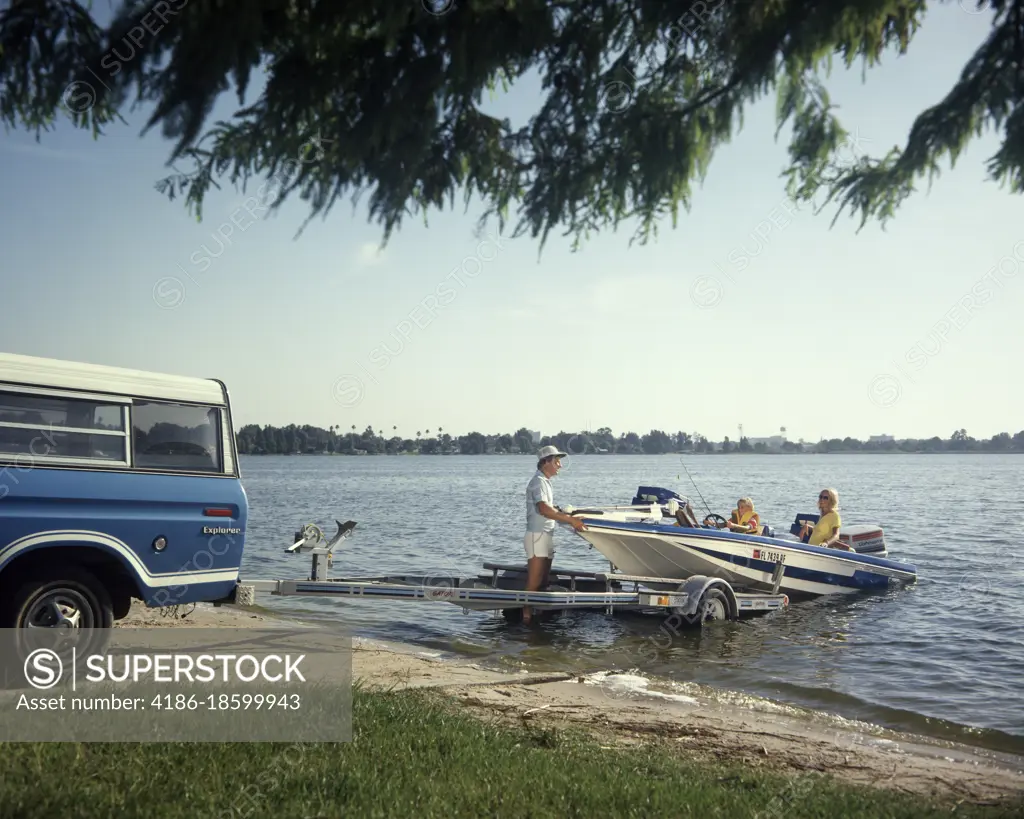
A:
[541,519]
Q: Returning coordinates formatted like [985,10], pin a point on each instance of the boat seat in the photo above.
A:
[795,528]
[686,518]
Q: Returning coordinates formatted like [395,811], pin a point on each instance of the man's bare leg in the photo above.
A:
[536,573]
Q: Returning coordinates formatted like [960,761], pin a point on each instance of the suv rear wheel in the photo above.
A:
[70,598]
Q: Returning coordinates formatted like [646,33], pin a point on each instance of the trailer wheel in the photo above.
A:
[72,598]
[714,605]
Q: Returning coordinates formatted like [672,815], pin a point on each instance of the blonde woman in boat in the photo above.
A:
[826,531]
[743,518]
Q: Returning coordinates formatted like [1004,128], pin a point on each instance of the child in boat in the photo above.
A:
[743,518]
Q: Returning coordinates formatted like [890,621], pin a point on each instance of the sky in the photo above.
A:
[746,312]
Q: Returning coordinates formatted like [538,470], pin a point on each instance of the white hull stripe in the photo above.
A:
[84,536]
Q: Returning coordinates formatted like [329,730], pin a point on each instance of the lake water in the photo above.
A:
[944,656]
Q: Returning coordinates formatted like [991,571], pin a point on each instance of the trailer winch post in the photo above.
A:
[310,538]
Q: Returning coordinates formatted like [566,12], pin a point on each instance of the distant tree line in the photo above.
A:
[291,440]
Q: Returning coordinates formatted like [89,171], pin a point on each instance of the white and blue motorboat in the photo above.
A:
[650,538]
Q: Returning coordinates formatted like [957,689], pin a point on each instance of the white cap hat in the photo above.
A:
[548,451]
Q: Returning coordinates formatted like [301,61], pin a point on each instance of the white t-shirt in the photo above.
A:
[538,490]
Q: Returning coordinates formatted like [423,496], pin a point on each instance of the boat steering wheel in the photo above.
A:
[714,517]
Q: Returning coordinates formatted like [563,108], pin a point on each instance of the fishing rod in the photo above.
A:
[688,475]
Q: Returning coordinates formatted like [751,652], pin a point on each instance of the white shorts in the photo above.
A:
[539,544]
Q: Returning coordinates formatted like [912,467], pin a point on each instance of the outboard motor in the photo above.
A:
[655,494]
[864,539]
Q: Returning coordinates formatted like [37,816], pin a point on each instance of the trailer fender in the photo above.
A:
[694,589]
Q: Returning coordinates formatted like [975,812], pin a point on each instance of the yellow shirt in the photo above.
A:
[822,530]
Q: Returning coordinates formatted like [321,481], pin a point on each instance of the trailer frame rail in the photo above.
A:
[687,597]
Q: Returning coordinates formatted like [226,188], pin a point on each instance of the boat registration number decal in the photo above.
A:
[764,554]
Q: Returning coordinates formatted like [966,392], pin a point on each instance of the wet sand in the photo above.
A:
[695,721]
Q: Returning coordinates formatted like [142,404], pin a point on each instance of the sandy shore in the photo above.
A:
[691,720]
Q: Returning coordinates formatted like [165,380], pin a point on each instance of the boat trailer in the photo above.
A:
[696,600]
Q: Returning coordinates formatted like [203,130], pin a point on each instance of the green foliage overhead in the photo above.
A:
[637,96]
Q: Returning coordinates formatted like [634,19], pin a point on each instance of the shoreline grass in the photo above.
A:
[414,753]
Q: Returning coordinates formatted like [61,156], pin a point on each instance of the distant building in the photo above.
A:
[880,439]
[534,436]
[772,442]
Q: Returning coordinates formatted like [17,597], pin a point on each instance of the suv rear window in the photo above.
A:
[176,437]
[51,428]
